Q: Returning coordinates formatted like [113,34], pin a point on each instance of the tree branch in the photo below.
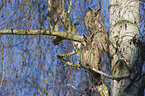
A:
[109,76]
[3,64]
[63,34]
[70,63]
[95,70]
[63,55]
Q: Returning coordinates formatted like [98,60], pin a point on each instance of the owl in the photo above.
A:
[95,44]
[89,55]
[94,25]
[93,22]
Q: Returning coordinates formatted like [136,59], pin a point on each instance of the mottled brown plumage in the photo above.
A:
[88,56]
[94,44]
[93,22]
[94,25]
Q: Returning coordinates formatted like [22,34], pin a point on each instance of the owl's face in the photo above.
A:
[93,13]
[89,54]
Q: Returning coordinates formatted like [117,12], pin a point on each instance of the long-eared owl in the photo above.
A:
[94,44]
[94,25]
[87,55]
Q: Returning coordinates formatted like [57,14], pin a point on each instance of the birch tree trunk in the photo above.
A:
[124,24]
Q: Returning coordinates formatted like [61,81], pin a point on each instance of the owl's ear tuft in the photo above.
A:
[84,36]
[98,10]
[90,9]
[84,42]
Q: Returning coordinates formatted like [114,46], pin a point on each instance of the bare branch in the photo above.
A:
[56,9]
[72,86]
[70,63]
[109,76]
[70,6]
[3,64]
[95,70]
[64,34]
[61,55]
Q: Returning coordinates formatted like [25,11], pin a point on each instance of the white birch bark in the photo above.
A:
[124,24]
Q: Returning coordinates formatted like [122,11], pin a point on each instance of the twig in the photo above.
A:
[70,63]
[70,6]
[3,64]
